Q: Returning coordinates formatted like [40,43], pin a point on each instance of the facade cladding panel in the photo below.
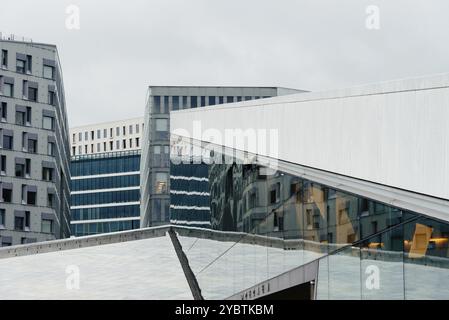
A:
[34,147]
[159,205]
[105,192]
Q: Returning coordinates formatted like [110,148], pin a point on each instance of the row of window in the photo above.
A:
[103,147]
[90,136]
[105,197]
[86,229]
[106,183]
[106,213]
[28,195]
[30,91]
[23,116]
[24,64]
[29,142]
[23,223]
[22,169]
[88,167]
[164,104]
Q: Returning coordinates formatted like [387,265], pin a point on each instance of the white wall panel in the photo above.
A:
[394,133]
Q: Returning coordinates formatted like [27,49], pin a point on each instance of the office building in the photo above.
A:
[34,147]
[105,192]
[105,177]
[170,197]
[106,137]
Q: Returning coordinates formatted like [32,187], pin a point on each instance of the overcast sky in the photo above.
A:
[124,46]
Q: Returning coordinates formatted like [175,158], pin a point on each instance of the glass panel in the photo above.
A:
[426,263]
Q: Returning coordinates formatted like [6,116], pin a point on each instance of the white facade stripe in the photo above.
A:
[105,205]
[105,190]
[104,220]
[118,174]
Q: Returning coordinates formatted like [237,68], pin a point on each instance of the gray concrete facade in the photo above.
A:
[34,145]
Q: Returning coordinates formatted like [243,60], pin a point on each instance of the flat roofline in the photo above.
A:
[104,123]
[218,87]
[29,43]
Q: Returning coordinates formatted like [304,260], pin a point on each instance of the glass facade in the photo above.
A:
[365,249]
[105,192]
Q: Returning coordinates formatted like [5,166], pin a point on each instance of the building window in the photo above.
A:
[48,123]
[20,170]
[161,184]
[49,72]
[51,98]
[51,149]
[80,136]
[161,125]
[29,64]
[117,144]
[221,100]
[7,195]
[3,165]
[20,65]
[50,200]
[31,198]
[175,103]
[105,133]
[137,142]
[137,128]
[247,98]
[73,151]
[229,99]
[124,130]
[8,89]
[98,147]
[130,130]
[47,226]
[20,118]
[194,102]
[111,146]
[4,58]
[4,112]
[86,136]
[2,218]
[47,174]
[104,146]
[212,101]
[130,143]
[19,223]
[32,146]
[92,135]
[156,104]
[73,138]
[166,104]
[117,131]
[124,143]
[239,99]
[203,101]
[32,94]
[80,150]
[8,142]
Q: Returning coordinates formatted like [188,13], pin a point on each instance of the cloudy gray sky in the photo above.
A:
[124,46]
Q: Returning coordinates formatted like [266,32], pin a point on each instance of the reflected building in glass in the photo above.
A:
[311,232]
